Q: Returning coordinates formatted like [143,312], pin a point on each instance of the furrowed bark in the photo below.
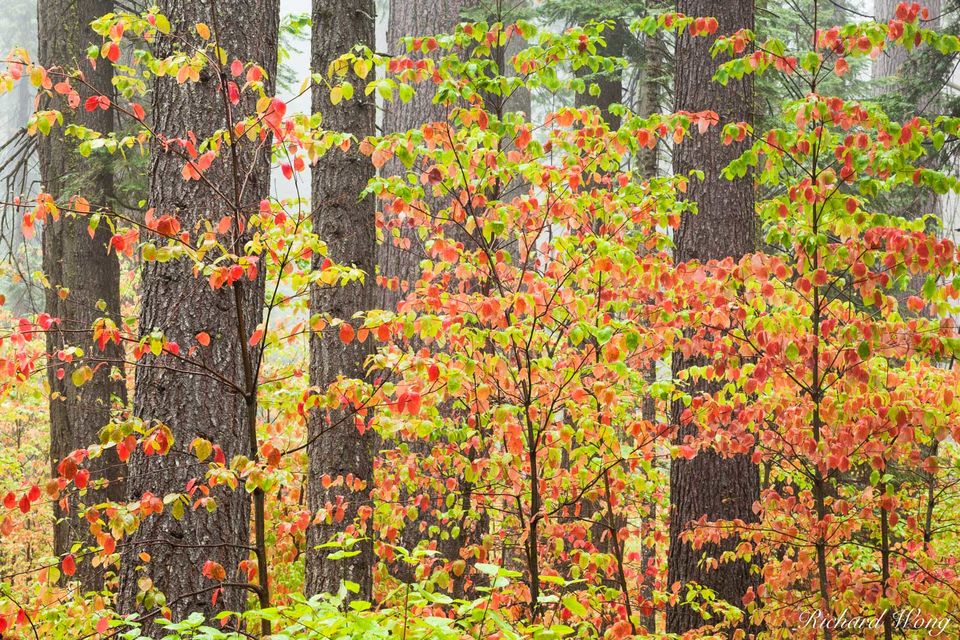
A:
[348,226]
[81,272]
[710,485]
[195,404]
[396,265]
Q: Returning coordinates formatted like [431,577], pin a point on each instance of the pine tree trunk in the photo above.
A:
[348,226]
[603,522]
[609,84]
[190,401]
[81,272]
[710,485]
[412,18]
[395,265]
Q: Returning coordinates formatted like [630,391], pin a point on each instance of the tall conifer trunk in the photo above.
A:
[348,225]
[190,401]
[81,272]
[710,485]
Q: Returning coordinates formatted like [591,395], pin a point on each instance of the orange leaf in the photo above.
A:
[203,338]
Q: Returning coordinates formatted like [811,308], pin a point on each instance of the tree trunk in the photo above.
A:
[397,266]
[609,84]
[189,401]
[412,18]
[81,272]
[428,17]
[890,63]
[896,73]
[348,226]
[710,485]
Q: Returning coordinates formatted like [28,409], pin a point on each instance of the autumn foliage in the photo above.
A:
[510,387]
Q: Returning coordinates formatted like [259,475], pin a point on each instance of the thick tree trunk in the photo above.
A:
[895,72]
[710,485]
[81,272]
[348,226]
[430,17]
[604,522]
[192,402]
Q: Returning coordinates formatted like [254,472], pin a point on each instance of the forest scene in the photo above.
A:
[489,319]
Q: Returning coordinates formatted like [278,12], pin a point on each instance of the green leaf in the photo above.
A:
[574,605]
[163,25]
[792,352]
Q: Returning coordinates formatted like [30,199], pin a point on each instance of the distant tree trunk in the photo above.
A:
[609,84]
[710,485]
[348,226]
[898,73]
[603,521]
[81,272]
[651,94]
[428,17]
[412,18]
[650,99]
[189,401]
[891,61]
[397,266]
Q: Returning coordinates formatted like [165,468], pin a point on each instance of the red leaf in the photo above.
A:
[346,333]
[69,565]
[82,478]
[214,571]
[234,92]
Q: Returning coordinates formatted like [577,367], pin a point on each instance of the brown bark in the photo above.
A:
[891,71]
[81,268]
[710,485]
[412,18]
[192,402]
[430,17]
[348,225]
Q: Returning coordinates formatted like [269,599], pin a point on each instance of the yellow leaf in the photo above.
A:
[361,67]
[339,67]
[163,25]
[203,448]
[81,375]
